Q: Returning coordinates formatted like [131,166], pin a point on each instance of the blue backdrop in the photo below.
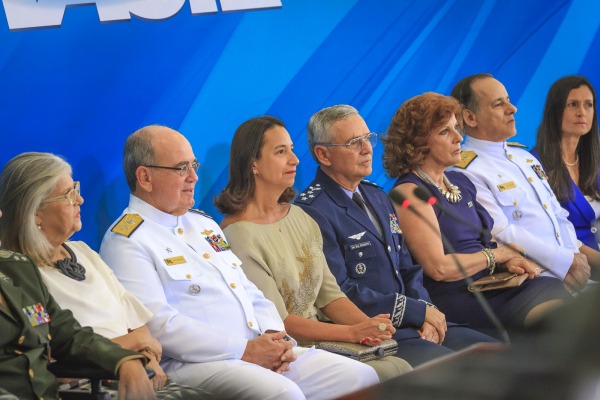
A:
[79,89]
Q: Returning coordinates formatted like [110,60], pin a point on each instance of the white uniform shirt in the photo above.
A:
[205,309]
[512,187]
[99,301]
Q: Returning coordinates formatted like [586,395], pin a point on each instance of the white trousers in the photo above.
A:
[316,374]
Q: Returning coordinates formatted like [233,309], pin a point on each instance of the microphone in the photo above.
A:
[425,195]
[403,202]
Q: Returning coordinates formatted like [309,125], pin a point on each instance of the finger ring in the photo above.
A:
[382,327]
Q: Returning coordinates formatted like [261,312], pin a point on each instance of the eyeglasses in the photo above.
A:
[355,145]
[72,195]
[183,170]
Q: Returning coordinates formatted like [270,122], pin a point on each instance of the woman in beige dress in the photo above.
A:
[281,247]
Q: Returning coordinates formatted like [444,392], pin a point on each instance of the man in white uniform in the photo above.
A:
[512,185]
[217,329]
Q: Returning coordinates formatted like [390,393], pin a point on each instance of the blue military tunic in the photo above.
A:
[376,271]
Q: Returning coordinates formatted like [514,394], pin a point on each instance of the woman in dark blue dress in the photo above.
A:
[568,147]
[423,141]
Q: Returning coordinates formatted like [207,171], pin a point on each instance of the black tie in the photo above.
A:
[357,198]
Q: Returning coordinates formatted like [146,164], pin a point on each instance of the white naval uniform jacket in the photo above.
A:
[205,309]
[512,187]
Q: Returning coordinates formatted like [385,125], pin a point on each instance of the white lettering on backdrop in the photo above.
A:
[27,14]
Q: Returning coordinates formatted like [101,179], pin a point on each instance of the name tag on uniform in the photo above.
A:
[506,186]
[175,260]
[359,245]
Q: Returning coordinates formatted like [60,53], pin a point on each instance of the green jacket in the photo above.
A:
[33,326]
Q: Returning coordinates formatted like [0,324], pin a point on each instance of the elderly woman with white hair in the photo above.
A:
[41,204]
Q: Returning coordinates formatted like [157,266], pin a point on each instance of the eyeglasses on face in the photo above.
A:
[355,145]
[183,170]
[72,195]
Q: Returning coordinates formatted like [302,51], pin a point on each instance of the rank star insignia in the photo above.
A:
[217,242]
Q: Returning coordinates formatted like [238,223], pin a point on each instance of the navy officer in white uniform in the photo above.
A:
[217,329]
[513,187]
[363,243]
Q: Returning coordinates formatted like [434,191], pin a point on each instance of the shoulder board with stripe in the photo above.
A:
[466,158]
[199,212]
[515,144]
[128,224]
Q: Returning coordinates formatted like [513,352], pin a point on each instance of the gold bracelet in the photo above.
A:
[491,259]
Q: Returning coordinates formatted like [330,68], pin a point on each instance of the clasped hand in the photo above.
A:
[271,351]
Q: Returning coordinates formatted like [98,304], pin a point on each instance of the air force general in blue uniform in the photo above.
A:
[376,270]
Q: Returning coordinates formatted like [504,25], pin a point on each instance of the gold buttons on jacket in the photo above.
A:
[189,276]
[530,179]
[557,234]
[510,156]
[21,340]
[250,324]
[516,203]
[233,285]
[546,206]
[234,264]
[49,337]
[30,372]
[180,231]
[206,255]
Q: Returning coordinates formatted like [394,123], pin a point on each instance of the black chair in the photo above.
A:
[95,375]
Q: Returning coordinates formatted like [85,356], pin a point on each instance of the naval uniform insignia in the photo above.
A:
[128,224]
[200,212]
[175,260]
[168,249]
[360,268]
[206,232]
[517,214]
[466,158]
[506,186]
[394,227]
[217,242]
[194,290]
[539,171]
[470,204]
[515,144]
[357,236]
[36,314]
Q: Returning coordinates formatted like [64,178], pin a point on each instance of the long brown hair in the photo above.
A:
[548,143]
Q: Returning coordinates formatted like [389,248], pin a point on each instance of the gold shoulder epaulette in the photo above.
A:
[128,224]
[466,158]
[515,144]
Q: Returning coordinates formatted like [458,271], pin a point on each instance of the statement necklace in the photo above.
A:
[70,267]
[453,194]
[574,163]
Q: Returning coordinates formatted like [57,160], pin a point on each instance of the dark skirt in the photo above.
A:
[511,306]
